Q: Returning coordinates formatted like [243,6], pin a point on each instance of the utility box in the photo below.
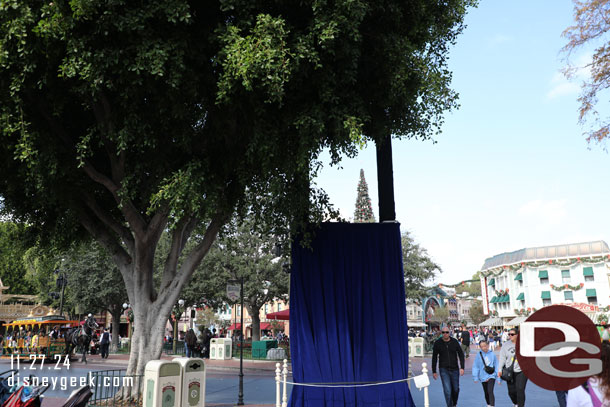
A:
[193,382]
[260,348]
[221,348]
[163,381]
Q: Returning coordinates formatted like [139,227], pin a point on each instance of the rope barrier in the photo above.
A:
[353,384]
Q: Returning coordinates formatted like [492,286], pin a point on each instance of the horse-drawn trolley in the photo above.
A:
[36,336]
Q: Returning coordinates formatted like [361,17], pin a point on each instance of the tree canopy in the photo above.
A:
[418,267]
[14,243]
[592,23]
[122,119]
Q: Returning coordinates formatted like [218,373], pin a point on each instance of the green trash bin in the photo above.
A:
[260,348]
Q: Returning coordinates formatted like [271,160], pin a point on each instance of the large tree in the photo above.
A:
[418,267]
[122,120]
[591,29]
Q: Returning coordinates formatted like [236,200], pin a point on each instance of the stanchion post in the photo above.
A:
[278,380]
[285,376]
[409,375]
[424,370]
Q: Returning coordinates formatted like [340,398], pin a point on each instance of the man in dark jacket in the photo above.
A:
[448,350]
[465,340]
[104,344]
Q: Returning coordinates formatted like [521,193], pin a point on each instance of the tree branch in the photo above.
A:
[179,238]
[99,233]
[106,218]
[198,253]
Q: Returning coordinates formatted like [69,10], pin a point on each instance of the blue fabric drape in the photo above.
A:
[348,317]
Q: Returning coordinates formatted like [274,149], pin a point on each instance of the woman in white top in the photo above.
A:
[597,391]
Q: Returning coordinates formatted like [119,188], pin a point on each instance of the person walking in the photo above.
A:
[596,390]
[484,371]
[190,341]
[448,351]
[508,359]
[104,344]
[465,341]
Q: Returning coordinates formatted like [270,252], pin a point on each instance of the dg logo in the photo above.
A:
[558,348]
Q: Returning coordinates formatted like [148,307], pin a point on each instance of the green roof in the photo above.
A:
[543,274]
[591,292]
[520,297]
[546,295]
[587,271]
[492,282]
[519,277]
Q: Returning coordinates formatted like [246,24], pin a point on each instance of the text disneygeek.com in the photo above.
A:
[64,382]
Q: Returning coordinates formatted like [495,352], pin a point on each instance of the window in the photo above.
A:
[546,301]
[592,300]
[565,276]
[589,278]
[279,306]
[568,295]
[239,311]
[265,308]
[544,280]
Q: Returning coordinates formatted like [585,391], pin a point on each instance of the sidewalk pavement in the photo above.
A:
[121,360]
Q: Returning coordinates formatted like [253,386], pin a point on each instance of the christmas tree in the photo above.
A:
[364,209]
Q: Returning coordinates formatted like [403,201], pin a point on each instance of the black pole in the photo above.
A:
[240,397]
[385,179]
[61,301]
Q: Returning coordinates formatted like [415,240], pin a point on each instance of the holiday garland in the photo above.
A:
[524,312]
[567,287]
[496,271]
[462,283]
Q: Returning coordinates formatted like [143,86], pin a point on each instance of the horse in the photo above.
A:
[80,337]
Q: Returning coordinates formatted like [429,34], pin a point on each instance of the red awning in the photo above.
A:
[281,315]
[267,325]
[234,326]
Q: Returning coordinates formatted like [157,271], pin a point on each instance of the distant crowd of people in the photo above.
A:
[452,346]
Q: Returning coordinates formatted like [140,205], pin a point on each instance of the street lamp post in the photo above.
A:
[240,396]
[61,282]
[129,326]
[176,315]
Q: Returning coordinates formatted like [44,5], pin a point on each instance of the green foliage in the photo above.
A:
[472,288]
[418,267]
[14,243]
[242,251]
[476,312]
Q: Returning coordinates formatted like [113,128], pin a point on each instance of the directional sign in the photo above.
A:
[233,292]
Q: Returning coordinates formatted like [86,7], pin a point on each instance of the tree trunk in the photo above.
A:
[256,322]
[116,325]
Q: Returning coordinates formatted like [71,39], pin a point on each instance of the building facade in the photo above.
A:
[515,284]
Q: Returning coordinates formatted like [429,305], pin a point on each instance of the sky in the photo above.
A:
[511,168]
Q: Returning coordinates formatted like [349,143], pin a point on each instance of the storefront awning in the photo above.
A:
[520,297]
[281,315]
[494,321]
[519,277]
[546,295]
[591,292]
[493,300]
[543,274]
[492,282]
[516,321]
[587,271]
[234,326]
[268,325]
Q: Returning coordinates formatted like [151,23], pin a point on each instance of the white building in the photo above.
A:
[516,284]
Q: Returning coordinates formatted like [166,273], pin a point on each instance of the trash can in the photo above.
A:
[163,381]
[193,382]
[221,348]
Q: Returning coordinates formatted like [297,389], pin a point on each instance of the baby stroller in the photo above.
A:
[79,397]
[26,396]
[5,388]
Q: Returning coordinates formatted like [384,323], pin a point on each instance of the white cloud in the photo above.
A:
[550,212]
[562,86]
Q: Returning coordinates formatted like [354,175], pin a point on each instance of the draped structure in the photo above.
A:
[348,317]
